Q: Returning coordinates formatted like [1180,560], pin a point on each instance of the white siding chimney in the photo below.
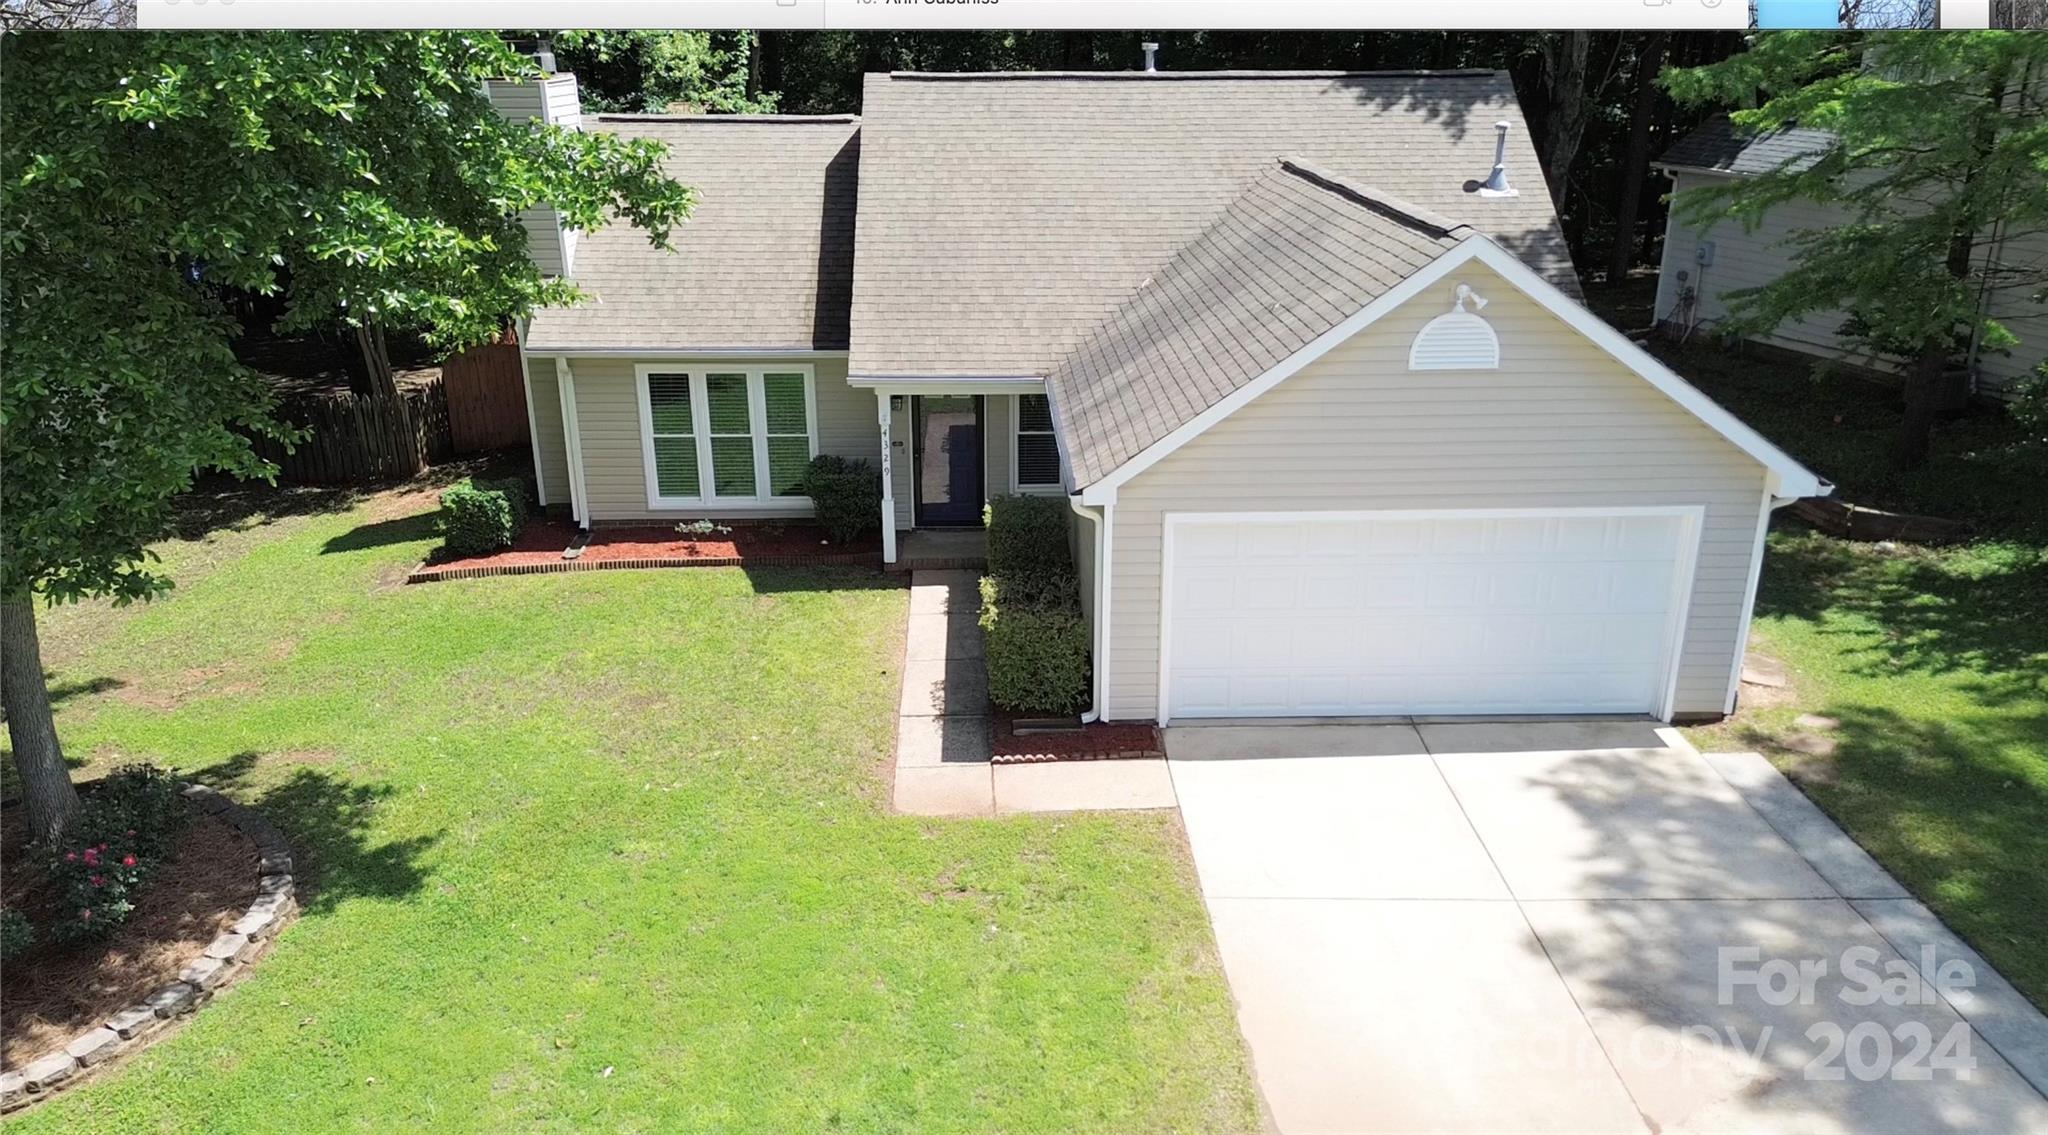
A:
[553,99]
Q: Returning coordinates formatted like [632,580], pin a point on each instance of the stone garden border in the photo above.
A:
[225,959]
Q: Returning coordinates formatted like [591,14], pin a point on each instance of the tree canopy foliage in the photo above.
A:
[145,177]
[1935,152]
[365,176]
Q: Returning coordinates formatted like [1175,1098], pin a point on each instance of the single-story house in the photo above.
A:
[1701,265]
[1302,351]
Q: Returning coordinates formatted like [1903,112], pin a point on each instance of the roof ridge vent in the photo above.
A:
[1496,183]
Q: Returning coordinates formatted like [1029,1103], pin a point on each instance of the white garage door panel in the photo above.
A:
[1452,613]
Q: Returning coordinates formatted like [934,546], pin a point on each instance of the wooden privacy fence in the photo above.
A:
[476,403]
[354,439]
[486,397]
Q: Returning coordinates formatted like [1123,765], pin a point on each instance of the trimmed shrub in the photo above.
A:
[478,517]
[1027,535]
[16,935]
[846,495]
[1038,642]
[124,830]
[1037,653]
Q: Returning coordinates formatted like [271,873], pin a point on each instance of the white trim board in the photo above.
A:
[1685,569]
[1788,478]
[707,354]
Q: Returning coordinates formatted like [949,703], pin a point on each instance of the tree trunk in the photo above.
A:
[378,380]
[1635,162]
[1564,80]
[39,758]
[1923,407]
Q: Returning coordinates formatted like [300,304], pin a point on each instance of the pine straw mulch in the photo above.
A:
[54,992]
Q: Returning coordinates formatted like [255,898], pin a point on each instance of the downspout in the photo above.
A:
[1100,521]
[1099,679]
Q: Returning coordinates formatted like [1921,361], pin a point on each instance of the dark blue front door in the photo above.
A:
[948,428]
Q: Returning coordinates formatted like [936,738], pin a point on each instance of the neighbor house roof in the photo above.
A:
[1722,146]
[765,261]
[1003,217]
[1299,251]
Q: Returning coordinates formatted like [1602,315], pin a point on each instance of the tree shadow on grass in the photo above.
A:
[772,580]
[1912,610]
[327,822]
[382,533]
[1945,805]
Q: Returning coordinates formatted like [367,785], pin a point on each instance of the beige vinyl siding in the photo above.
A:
[999,412]
[1750,259]
[550,443]
[608,417]
[1560,424]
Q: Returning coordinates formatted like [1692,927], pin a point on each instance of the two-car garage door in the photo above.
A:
[1470,612]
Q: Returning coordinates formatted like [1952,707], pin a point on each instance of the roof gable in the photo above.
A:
[765,261]
[1787,477]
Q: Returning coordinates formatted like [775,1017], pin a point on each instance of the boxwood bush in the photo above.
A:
[478,517]
[846,496]
[1038,640]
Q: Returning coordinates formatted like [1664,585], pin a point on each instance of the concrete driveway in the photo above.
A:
[1549,927]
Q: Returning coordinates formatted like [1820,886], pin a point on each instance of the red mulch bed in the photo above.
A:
[541,543]
[54,992]
[1098,741]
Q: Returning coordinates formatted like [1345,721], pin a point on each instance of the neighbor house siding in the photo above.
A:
[1744,259]
[549,441]
[608,418]
[1560,424]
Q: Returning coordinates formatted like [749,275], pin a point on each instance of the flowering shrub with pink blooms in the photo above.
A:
[123,831]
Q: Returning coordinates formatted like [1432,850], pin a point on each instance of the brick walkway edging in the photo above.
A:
[427,573]
[226,959]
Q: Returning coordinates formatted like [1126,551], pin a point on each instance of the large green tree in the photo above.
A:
[1937,161]
[142,177]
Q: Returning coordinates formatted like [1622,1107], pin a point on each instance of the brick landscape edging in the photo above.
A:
[426,573]
[225,959]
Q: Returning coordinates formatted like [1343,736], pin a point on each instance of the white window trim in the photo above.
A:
[762,501]
[1053,487]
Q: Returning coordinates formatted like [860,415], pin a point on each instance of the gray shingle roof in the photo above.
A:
[1297,253]
[1719,144]
[765,261]
[1003,217]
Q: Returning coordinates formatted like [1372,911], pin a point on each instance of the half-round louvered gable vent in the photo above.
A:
[1458,339]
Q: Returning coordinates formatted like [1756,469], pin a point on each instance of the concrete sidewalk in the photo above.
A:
[943,722]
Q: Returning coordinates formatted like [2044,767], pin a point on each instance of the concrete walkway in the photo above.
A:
[1520,927]
[942,727]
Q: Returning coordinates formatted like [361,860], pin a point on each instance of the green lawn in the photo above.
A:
[610,851]
[1934,660]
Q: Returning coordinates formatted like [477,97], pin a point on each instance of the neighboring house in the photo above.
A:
[1338,437]
[1701,265]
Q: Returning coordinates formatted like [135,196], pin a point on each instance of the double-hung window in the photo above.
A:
[1035,452]
[726,434]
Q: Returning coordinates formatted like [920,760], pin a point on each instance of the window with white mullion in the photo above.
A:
[672,418]
[788,431]
[1036,451]
[730,435]
[727,434]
